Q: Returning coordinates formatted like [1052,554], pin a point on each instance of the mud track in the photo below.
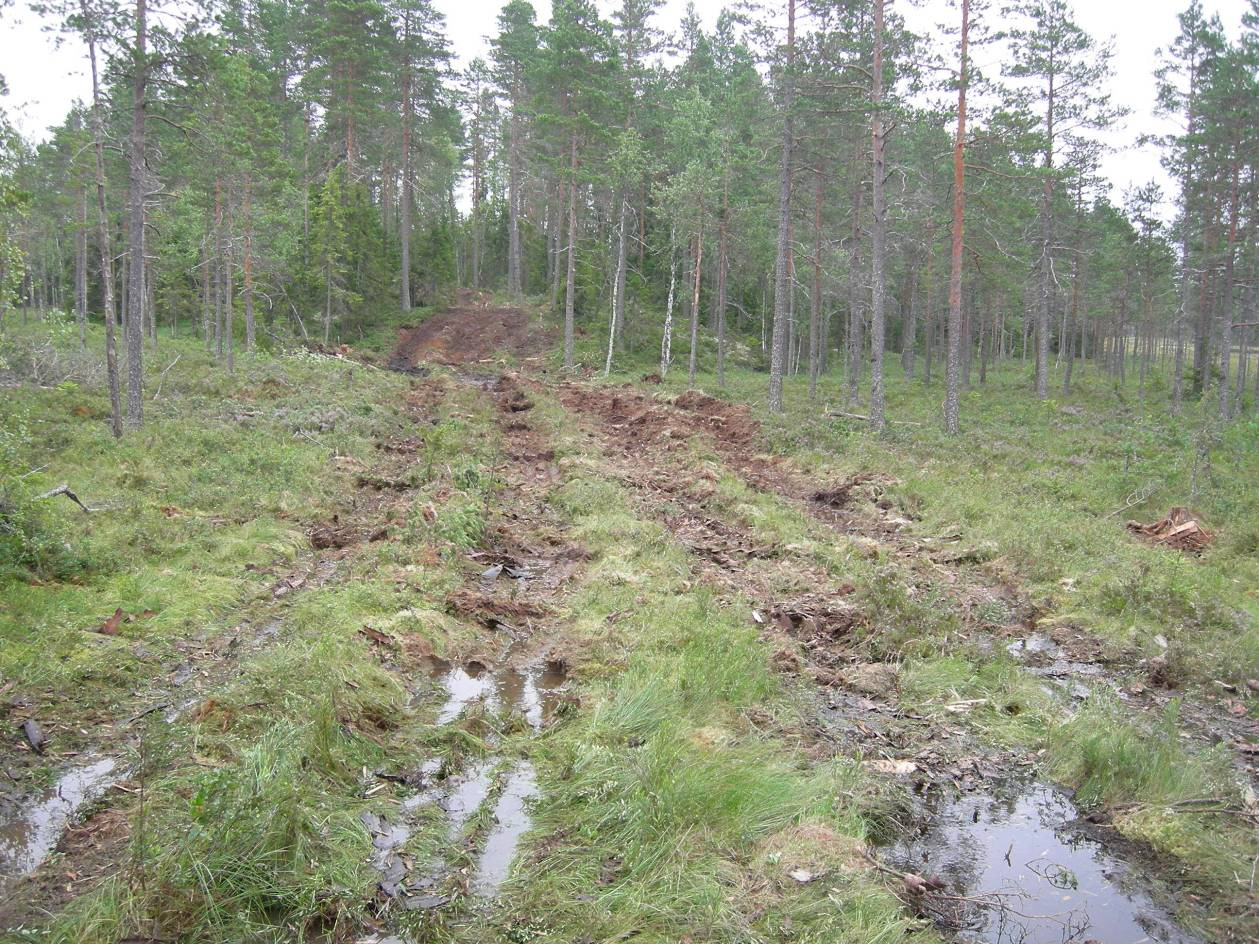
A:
[823,632]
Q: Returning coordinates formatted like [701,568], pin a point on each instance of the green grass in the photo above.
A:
[669,815]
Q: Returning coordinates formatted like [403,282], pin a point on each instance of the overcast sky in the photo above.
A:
[43,80]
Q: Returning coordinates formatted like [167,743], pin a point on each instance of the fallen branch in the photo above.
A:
[64,489]
[1135,497]
[162,378]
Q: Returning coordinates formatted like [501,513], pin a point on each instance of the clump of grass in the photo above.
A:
[1110,761]
[1179,801]
[662,798]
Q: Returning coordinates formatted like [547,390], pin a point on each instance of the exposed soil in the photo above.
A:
[470,333]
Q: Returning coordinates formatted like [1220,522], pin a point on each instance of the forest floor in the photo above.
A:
[489,652]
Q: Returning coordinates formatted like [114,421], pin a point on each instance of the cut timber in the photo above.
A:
[1180,530]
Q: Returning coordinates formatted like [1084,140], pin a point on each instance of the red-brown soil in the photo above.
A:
[471,332]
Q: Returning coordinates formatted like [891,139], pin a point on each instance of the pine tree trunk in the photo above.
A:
[247,263]
[666,342]
[136,266]
[1046,251]
[405,199]
[722,268]
[514,283]
[778,344]
[80,265]
[1226,302]
[699,268]
[856,321]
[815,284]
[102,236]
[570,281]
[952,403]
[878,236]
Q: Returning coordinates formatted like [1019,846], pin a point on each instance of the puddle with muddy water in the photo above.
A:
[511,822]
[532,689]
[32,834]
[1025,850]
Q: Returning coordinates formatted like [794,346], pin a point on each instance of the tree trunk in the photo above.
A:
[666,342]
[571,278]
[136,266]
[514,284]
[815,284]
[1226,302]
[80,265]
[102,235]
[405,198]
[618,284]
[856,345]
[247,289]
[722,250]
[699,269]
[1046,250]
[878,235]
[952,403]
[778,344]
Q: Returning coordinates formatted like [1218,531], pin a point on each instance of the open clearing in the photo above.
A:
[489,652]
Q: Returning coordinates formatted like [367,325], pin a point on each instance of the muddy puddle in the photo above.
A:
[511,822]
[32,834]
[1029,874]
[532,689]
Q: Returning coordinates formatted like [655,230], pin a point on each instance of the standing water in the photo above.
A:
[1028,876]
[28,838]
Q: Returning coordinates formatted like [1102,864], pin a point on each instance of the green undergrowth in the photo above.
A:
[1047,483]
[675,808]
[198,512]
[245,824]
[1038,483]
[1185,805]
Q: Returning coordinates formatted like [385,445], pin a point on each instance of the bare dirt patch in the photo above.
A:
[468,333]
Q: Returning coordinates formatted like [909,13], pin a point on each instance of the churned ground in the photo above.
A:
[473,649]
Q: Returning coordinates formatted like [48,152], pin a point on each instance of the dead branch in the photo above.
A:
[64,489]
[162,379]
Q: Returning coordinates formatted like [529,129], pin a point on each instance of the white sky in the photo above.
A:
[44,80]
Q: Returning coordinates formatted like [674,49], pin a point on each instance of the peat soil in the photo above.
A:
[472,332]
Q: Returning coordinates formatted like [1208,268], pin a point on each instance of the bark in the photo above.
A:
[778,344]
[878,236]
[514,285]
[909,332]
[1046,250]
[136,266]
[247,263]
[815,284]
[80,265]
[1226,302]
[856,321]
[666,342]
[618,285]
[404,198]
[1073,319]
[952,402]
[571,278]
[722,250]
[699,269]
[102,234]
